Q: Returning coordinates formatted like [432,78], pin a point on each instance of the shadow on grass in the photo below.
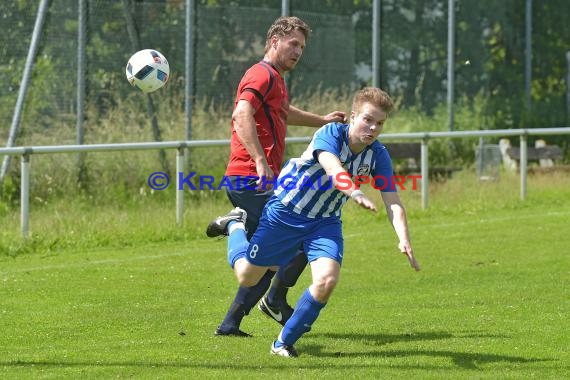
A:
[465,360]
[462,360]
[381,339]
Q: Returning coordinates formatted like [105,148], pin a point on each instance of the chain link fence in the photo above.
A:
[229,38]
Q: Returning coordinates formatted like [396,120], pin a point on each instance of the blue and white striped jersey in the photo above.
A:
[304,187]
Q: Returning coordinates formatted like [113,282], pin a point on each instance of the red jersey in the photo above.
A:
[264,88]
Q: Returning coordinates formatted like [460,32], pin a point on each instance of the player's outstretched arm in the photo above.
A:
[297,116]
[342,181]
[397,217]
[406,249]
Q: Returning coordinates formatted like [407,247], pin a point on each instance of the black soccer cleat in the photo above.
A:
[232,332]
[279,313]
[284,350]
[219,226]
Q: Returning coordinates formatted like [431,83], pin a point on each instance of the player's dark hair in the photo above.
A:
[374,96]
[284,26]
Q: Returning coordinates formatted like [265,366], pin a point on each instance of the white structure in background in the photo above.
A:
[488,158]
[543,162]
[508,162]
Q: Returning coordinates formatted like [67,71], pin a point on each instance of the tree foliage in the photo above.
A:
[490,52]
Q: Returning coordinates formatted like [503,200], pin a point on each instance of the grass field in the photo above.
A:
[492,299]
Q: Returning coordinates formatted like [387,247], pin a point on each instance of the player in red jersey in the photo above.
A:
[259,124]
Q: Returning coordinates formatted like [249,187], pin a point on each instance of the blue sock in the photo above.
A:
[237,245]
[305,314]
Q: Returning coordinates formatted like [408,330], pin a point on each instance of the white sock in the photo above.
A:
[235,226]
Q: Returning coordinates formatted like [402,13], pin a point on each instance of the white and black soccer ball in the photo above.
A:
[147,70]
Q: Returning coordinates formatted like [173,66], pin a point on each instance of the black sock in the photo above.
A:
[277,292]
[254,293]
[286,278]
[233,317]
[246,298]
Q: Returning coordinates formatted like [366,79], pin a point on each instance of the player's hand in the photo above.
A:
[337,116]
[365,202]
[266,177]
[406,249]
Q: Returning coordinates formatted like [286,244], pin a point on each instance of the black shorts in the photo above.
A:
[243,195]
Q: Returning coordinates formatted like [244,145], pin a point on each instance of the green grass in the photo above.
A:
[119,291]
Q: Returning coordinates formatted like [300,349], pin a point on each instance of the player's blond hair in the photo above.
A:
[283,26]
[372,95]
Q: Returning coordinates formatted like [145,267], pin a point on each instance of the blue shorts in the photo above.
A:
[281,232]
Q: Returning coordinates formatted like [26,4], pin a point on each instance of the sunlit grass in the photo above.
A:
[121,291]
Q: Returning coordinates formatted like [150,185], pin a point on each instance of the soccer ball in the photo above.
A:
[147,70]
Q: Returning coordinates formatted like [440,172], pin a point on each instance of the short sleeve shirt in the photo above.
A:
[304,187]
[264,88]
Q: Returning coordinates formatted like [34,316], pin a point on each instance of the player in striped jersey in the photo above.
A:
[306,208]
[260,119]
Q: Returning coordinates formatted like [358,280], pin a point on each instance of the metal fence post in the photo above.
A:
[189,67]
[25,83]
[528,59]
[451,64]
[285,8]
[425,172]
[25,196]
[568,87]
[180,157]
[376,42]
[81,88]
[523,165]
[182,146]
